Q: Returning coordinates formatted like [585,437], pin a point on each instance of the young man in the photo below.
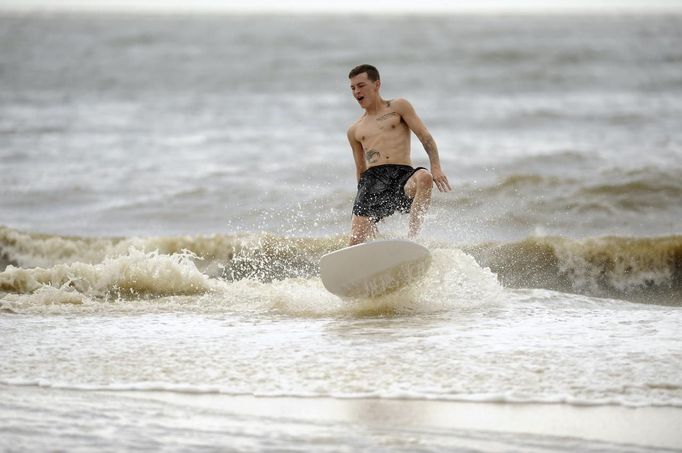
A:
[380,140]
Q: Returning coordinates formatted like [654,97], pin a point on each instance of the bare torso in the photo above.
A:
[385,137]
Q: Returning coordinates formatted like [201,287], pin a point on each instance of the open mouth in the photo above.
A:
[360,98]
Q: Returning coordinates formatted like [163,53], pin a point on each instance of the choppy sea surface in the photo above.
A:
[169,183]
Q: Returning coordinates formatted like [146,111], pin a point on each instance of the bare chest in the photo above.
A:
[371,130]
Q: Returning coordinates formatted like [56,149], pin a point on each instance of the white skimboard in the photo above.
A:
[374,268]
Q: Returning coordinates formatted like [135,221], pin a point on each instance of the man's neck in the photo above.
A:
[375,106]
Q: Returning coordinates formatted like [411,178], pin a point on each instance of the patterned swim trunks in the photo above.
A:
[381,191]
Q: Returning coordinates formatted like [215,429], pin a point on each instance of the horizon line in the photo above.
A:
[350,12]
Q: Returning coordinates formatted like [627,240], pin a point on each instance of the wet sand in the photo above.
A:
[657,427]
[38,419]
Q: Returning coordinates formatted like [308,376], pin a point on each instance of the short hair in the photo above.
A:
[372,72]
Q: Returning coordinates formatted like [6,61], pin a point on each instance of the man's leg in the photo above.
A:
[418,187]
[361,229]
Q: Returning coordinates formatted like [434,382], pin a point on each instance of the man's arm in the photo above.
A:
[358,152]
[416,125]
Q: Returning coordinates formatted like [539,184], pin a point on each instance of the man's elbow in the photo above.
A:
[425,137]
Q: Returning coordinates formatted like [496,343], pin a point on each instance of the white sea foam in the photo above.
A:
[454,280]
[134,275]
[508,397]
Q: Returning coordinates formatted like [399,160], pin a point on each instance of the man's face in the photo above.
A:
[364,90]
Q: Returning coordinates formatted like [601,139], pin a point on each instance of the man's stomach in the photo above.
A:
[390,162]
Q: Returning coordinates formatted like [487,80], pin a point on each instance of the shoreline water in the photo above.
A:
[650,426]
[368,422]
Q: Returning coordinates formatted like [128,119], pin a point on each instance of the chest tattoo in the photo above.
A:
[387,116]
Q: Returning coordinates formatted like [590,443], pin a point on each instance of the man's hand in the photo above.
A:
[441,180]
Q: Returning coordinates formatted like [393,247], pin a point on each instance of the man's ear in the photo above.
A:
[378,84]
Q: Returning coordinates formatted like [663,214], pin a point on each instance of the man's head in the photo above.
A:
[365,83]
[372,72]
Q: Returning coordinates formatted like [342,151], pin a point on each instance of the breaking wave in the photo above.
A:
[68,269]
[639,269]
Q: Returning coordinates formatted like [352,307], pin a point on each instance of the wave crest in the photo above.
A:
[638,269]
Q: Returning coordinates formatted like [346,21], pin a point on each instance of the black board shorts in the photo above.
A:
[381,191]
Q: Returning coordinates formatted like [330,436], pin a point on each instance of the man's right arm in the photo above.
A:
[358,153]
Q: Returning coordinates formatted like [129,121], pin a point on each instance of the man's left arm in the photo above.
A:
[416,125]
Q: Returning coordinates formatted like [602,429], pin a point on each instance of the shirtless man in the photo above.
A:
[380,140]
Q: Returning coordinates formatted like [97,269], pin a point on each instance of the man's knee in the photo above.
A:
[420,182]
[424,180]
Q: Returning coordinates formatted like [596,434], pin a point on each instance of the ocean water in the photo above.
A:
[169,183]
